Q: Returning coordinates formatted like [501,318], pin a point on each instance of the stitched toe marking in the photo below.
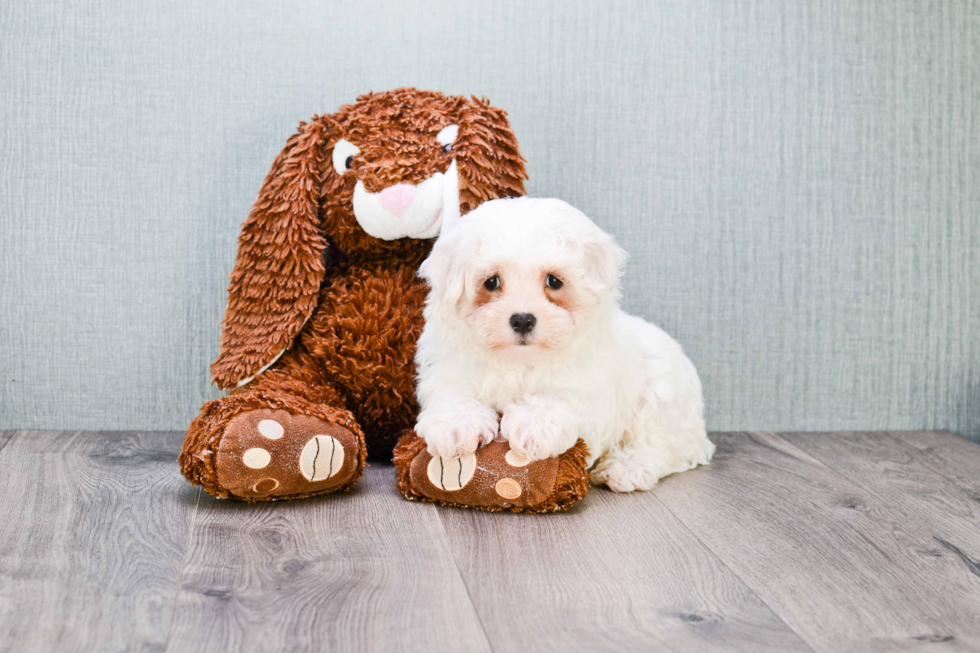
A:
[451,474]
[321,458]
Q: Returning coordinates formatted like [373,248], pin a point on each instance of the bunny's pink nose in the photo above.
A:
[397,198]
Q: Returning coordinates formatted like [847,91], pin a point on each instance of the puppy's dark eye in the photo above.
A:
[492,283]
[349,162]
[448,147]
[554,282]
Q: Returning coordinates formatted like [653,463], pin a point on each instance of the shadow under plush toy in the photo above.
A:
[324,306]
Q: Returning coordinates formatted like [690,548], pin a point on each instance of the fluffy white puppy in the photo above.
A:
[523,324]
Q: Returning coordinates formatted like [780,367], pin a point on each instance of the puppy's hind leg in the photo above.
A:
[640,463]
[627,469]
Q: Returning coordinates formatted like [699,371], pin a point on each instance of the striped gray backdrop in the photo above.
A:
[798,184]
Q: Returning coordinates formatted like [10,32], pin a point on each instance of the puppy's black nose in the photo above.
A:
[523,323]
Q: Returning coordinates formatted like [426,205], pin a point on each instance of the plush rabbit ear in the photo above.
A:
[277,275]
[486,151]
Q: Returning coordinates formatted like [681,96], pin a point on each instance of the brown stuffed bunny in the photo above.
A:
[324,306]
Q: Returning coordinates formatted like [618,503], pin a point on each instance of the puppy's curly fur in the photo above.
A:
[322,317]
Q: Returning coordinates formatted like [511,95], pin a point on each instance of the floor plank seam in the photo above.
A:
[180,574]
[10,435]
[927,463]
[856,482]
[736,575]
[459,573]
[971,565]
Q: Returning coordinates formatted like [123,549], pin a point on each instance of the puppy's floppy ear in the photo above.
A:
[487,154]
[277,274]
[605,261]
[445,268]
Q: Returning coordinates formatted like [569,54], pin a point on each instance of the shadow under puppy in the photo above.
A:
[524,337]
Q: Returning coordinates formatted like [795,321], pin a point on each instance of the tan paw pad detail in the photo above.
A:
[515,459]
[270,428]
[508,488]
[265,486]
[256,458]
[451,474]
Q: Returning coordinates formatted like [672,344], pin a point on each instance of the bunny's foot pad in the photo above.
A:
[494,478]
[270,454]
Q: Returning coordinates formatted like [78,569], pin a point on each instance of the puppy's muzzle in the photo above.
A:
[522,323]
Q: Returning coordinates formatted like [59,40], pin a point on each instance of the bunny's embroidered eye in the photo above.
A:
[447,136]
[343,155]
[554,282]
[492,283]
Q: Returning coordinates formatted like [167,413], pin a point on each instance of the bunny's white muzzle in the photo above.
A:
[407,211]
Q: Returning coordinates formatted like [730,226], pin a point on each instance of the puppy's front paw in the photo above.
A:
[540,427]
[451,431]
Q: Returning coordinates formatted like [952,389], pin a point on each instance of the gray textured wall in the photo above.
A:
[798,183]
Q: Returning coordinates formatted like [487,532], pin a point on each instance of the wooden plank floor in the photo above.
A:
[794,542]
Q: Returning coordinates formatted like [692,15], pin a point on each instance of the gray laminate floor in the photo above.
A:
[795,542]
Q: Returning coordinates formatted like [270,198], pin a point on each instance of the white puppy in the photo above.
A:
[523,322]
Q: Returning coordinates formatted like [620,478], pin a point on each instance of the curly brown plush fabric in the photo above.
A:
[344,306]
[538,487]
